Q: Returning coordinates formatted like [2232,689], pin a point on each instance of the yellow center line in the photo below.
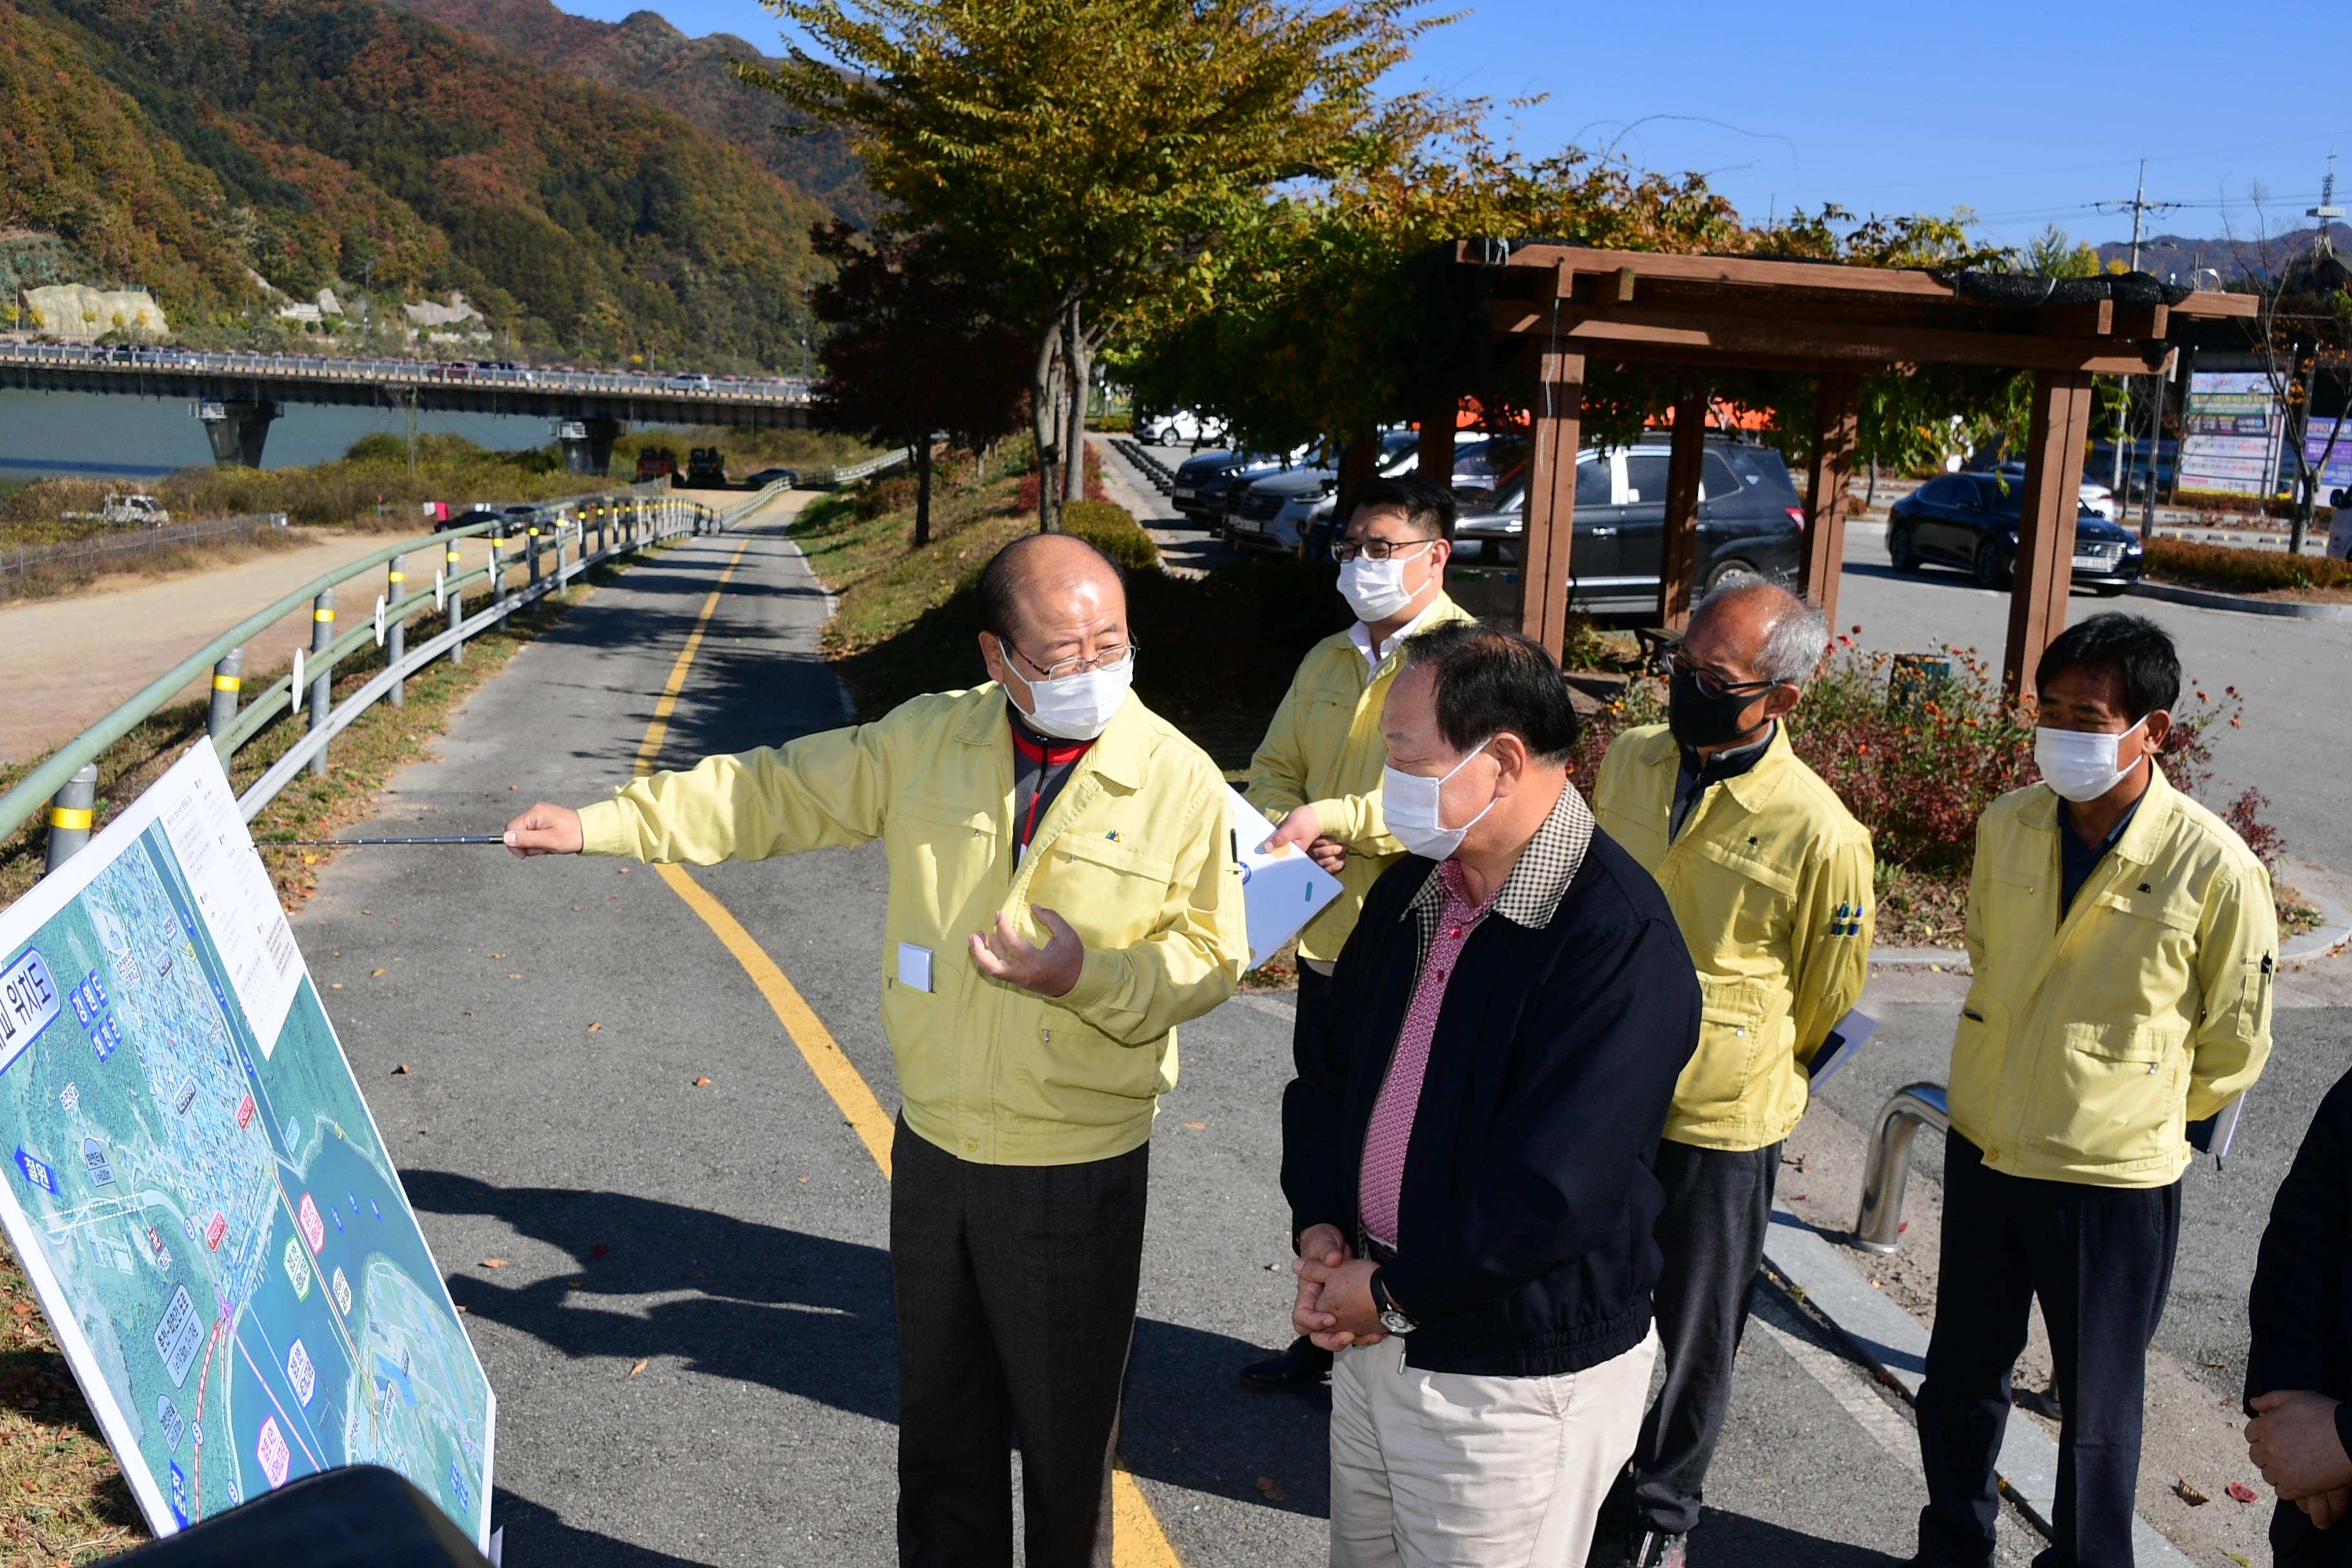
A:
[1137,1540]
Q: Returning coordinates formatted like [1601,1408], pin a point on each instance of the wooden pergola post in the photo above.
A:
[1434,456]
[1555,431]
[2044,571]
[1680,551]
[1837,411]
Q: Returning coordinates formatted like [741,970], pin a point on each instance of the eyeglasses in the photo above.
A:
[1346,550]
[1711,685]
[1109,658]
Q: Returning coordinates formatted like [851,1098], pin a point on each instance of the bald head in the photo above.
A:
[1753,629]
[1044,599]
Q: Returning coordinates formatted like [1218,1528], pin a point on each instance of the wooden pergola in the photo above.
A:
[1573,307]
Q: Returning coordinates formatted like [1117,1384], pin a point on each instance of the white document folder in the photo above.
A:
[1281,891]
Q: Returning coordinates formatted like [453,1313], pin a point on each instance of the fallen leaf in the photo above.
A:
[637,1369]
[594,1027]
[511,788]
[1273,1493]
[2189,1494]
[1799,1198]
[498,955]
[27,1482]
[494,1263]
[400,1069]
[702,1083]
[2243,1492]
[461,1308]
[1196,1126]
[25,1309]
[804,1180]
[374,973]
[334,985]
[625,870]
[514,977]
[576,909]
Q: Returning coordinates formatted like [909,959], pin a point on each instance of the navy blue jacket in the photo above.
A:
[1523,1221]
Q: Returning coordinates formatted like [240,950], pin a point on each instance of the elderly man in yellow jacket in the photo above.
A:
[1062,895]
[1317,772]
[2122,941]
[1770,879]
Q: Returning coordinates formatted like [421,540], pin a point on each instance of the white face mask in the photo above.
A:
[1412,806]
[2080,764]
[1079,706]
[1375,590]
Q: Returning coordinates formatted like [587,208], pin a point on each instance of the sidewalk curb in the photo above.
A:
[1894,1344]
[2205,600]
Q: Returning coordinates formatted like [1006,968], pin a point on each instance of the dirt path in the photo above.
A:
[64,663]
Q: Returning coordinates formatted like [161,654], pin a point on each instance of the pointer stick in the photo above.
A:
[349,843]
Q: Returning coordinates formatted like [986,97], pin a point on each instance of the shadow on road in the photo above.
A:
[537,1536]
[811,1318]
[1753,1544]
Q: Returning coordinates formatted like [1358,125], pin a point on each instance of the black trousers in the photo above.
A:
[1718,1204]
[2100,1259]
[1015,1288]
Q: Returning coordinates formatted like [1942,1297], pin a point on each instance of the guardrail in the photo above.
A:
[620,524]
[133,541]
[786,390]
[1887,1167]
[834,478]
[1162,477]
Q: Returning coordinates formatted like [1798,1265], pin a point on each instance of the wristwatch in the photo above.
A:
[1393,1320]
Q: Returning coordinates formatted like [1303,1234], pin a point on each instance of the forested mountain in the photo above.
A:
[643,54]
[178,143]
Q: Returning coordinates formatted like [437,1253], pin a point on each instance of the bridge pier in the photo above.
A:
[587,444]
[237,427]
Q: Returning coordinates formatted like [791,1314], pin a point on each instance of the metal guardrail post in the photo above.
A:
[1879,1228]
[69,813]
[395,631]
[450,566]
[323,683]
[531,555]
[228,679]
[497,575]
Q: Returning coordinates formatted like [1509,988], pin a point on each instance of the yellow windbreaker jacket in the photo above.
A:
[1134,853]
[1770,882]
[1324,747]
[2087,1044]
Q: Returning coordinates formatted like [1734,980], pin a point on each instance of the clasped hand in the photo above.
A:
[1335,1307]
[2292,1441]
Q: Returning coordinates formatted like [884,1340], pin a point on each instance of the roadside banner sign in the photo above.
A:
[2232,428]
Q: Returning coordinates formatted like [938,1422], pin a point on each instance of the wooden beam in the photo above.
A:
[1680,551]
[2143,321]
[2091,319]
[1810,276]
[1628,331]
[2043,575]
[1837,405]
[1556,432]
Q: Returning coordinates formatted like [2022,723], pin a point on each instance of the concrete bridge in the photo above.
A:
[237,395]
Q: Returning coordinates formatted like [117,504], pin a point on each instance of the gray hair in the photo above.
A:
[1799,633]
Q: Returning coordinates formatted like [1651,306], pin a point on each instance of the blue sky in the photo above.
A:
[2027,113]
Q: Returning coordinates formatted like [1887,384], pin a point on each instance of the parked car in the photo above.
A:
[1279,511]
[706,467]
[766,477]
[1181,428]
[2096,497]
[1749,519]
[1207,501]
[467,519]
[1194,471]
[655,463]
[690,383]
[1971,520]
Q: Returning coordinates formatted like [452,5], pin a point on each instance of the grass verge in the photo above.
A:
[51,582]
[63,1500]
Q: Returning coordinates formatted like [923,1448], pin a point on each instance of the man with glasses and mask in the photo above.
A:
[1467,1146]
[1317,772]
[1770,876]
[1062,895]
[2121,944]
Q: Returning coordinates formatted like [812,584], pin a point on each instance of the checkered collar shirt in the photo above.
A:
[1530,895]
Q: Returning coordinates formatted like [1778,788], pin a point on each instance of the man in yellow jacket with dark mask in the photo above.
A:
[2121,939]
[1062,895]
[1769,880]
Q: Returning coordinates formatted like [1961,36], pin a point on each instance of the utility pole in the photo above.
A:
[2140,207]
[2322,244]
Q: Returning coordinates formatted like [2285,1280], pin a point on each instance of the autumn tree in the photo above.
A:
[915,345]
[1090,150]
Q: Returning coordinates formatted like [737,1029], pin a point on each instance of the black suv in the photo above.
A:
[1749,519]
[1971,520]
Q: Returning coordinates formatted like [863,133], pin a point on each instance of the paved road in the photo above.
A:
[554,1017]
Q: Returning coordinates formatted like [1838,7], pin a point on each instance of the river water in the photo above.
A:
[118,435]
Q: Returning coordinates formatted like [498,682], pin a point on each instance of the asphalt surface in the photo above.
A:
[682,1293]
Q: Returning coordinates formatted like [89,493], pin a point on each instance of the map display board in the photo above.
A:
[197,1191]
[2231,434]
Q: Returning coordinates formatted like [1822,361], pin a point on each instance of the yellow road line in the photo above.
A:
[650,747]
[1137,1540]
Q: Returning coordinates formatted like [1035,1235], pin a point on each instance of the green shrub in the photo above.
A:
[377,446]
[1119,424]
[2252,571]
[1107,526]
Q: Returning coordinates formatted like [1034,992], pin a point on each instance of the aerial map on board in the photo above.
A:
[197,1191]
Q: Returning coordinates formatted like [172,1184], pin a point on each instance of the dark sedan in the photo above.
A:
[1971,520]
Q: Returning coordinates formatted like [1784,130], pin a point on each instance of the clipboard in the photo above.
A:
[1281,891]
[1845,1038]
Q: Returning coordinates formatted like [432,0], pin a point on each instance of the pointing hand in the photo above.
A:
[1002,953]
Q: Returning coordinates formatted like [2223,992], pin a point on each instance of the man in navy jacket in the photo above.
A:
[1466,1148]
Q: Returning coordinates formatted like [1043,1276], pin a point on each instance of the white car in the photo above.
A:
[1181,427]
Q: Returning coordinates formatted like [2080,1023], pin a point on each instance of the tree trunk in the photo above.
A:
[922,489]
[1870,495]
[1044,423]
[1073,355]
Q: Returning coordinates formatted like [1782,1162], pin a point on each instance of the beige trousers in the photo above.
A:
[1441,1469]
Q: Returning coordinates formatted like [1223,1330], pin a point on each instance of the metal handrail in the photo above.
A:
[674,519]
[1879,1227]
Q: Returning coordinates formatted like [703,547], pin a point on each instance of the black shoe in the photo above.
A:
[1303,1365]
[1657,1549]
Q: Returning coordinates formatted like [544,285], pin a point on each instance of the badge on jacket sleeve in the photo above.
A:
[1846,921]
